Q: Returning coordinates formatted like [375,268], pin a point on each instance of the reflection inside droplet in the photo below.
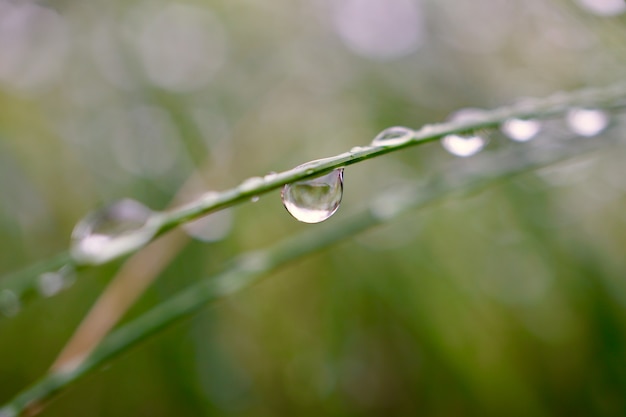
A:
[521,130]
[463,145]
[393,136]
[113,231]
[316,199]
[587,122]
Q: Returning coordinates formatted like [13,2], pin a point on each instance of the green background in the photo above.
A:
[507,302]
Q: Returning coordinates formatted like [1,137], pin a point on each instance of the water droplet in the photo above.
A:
[113,231]
[10,303]
[255,199]
[251,184]
[393,136]
[469,114]
[51,283]
[314,200]
[521,130]
[469,143]
[587,122]
[426,130]
[463,145]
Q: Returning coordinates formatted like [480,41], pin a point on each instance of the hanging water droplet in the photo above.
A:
[255,199]
[10,303]
[314,200]
[521,130]
[113,231]
[393,136]
[463,145]
[587,122]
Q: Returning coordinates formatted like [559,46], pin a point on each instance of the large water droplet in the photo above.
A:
[587,122]
[521,130]
[10,303]
[113,231]
[314,200]
[463,145]
[393,136]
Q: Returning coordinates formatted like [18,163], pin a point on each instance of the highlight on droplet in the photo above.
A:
[587,122]
[393,136]
[521,130]
[314,200]
[467,143]
[463,145]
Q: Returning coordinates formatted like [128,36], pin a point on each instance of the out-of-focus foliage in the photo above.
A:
[511,302]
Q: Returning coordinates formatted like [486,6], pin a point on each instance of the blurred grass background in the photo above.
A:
[510,302]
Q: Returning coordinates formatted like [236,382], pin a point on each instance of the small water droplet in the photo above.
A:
[51,283]
[521,130]
[10,303]
[255,199]
[469,114]
[463,145]
[587,122]
[314,200]
[393,136]
[113,231]
[251,184]
[426,130]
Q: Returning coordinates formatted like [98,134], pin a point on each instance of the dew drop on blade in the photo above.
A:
[463,145]
[469,143]
[587,122]
[521,130]
[112,231]
[393,136]
[51,283]
[314,200]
